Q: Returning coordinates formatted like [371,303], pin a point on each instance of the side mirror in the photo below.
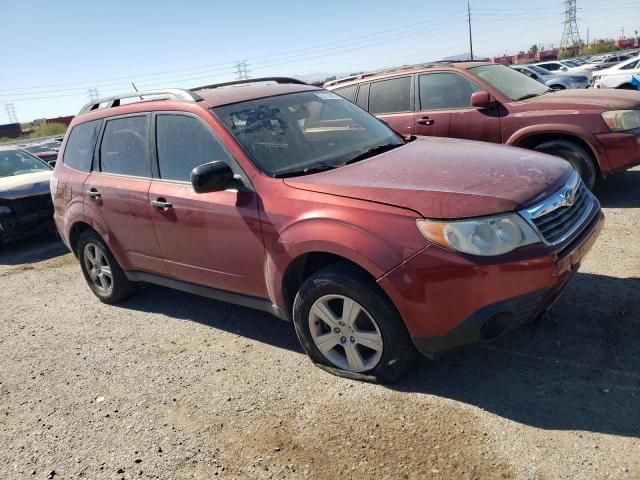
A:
[481,99]
[212,177]
[564,69]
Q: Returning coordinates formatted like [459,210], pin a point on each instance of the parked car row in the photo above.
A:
[45,150]
[555,81]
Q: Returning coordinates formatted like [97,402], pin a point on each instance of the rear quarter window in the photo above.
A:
[78,153]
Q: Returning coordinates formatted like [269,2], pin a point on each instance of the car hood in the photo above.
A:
[19,186]
[445,178]
[580,98]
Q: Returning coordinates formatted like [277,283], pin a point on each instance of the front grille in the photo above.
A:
[558,223]
[27,205]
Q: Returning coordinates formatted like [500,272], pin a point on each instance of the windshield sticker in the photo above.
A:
[328,96]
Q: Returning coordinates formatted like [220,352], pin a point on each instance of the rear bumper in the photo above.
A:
[448,300]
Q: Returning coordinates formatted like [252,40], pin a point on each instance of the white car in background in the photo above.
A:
[567,66]
[625,75]
[555,81]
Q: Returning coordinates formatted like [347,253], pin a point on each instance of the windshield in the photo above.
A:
[540,70]
[16,162]
[305,132]
[509,82]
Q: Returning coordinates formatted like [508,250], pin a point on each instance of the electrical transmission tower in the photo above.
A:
[241,70]
[11,112]
[93,94]
[570,34]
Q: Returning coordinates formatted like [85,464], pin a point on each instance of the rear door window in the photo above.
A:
[78,153]
[440,91]
[347,92]
[390,96]
[124,147]
[184,143]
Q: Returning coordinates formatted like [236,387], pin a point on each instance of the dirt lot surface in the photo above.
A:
[168,385]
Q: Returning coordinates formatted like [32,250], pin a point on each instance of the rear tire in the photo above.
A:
[557,87]
[576,155]
[348,326]
[101,271]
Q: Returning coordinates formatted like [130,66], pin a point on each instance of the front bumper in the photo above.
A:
[448,300]
[16,227]
[621,148]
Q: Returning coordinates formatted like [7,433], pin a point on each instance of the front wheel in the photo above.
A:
[576,155]
[557,87]
[346,323]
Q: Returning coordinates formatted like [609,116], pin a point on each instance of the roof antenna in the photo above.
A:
[136,89]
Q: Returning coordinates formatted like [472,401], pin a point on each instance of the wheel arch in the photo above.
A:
[531,139]
[75,232]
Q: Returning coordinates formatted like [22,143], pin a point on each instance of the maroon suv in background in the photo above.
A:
[598,132]
[288,198]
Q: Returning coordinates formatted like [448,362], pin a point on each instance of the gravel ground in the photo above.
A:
[169,385]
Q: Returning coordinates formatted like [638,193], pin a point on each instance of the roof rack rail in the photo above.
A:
[253,80]
[114,101]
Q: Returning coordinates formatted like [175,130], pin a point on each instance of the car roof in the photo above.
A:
[216,97]
[409,70]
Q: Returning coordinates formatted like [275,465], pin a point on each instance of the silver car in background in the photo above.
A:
[555,81]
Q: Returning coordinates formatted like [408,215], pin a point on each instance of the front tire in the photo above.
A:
[101,270]
[347,324]
[576,155]
[557,87]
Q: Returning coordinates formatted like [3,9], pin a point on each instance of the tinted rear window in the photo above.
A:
[124,147]
[390,96]
[79,150]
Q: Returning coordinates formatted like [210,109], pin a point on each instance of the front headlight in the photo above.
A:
[488,236]
[621,120]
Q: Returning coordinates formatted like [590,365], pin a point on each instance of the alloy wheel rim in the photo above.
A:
[345,333]
[98,268]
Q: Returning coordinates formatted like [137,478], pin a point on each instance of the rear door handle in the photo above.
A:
[161,204]
[93,193]
[426,121]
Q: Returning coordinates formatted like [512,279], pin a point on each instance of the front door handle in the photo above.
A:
[93,193]
[426,121]
[161,204]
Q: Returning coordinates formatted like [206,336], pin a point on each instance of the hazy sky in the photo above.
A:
[53,52]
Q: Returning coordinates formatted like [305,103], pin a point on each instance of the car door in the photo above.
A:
[117,193]
[212,239]
[392,101]
[444,109]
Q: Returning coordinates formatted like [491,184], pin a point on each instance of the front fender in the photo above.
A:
[372,250]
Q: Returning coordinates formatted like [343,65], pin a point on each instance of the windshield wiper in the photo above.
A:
[527,96]
[307,171]
[370,152]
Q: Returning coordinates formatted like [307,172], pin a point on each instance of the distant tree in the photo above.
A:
[534,48]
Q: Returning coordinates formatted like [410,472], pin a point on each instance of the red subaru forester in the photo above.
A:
[277,195]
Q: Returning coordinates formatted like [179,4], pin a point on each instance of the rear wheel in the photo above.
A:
[576,155]
[345,323]
[101,271]
[557,87]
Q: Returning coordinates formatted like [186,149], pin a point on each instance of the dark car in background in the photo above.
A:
[46,151]
[25,197]
[598,132]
